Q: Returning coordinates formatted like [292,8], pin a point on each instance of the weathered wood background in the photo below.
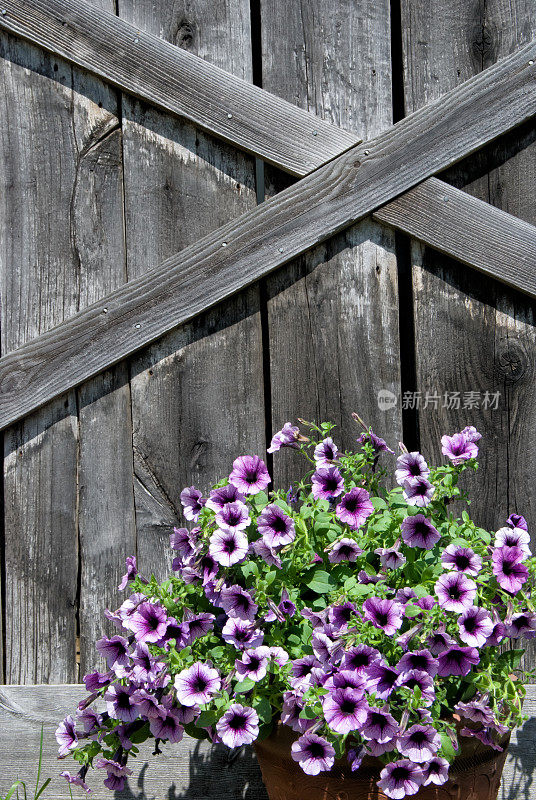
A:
[97,188]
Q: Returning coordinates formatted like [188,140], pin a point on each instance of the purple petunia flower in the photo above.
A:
[275,527]
[120,703]
[239,725]
[418,659]
[228,547]
[391,557]
[313,753]
[379,445]
[183,542]
[475,626]
[326,452]
[355,757]
[360,657]
[95,681]
[414,678]
[340,615]
[326,649]
[459,447]
[301,673]
[355,508]
[117,773]
[114,650]
[457,661]
[267,553]
[148,623]
[254,663]
[233,516]
[218,498]
[400,779]
[476,710]
[439,641]
[410,466]
[130,574]
[345,679]
[147,704]
[418,531]
[167,727]
[249,474]
[522,626]
[508,568]
[242,634]
[327,483]
[517,521]
[197,684]
[384,614]
[381,679]
[287,437]
[236,602]
[455,591]
[76,780]
[418,492]
[419,743]
[345,710]
[66,736]
[192,503]
[379,725]
[471,434]
[344,550]
[461,559]
[436,771]
[513,537]
[89,719]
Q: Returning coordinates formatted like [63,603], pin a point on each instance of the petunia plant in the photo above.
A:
[373,621]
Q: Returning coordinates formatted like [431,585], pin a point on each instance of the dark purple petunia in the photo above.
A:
[267,553]
[228,547]
[76,780]
[508,568]
[120,703]
[400,779]
[381,679]
[355,757]
[115,651]
[344,550]
[418,659]
[286,606]
[517,521]
[513,537]
[167,727]
[475,626]
[130,574]
[457,661]
[419,743]
[236,602]
[218,498]
[410,466]
[461,559]
[147,704]
[95,681]
[355,508]
[477,710]
[89,719]
[455,591]
[183,542]
[417,678]
[207,568]
[340,615]
[233,516]
[379,725]
[301,673]
[287,437]
[522,626]
[239,725]
[379,445]
[275,527]
[249,474]
[326,452]
[418,492]
[66,736]
[345,679]
[439,641]
[426,603]
[192,503]
[253,664]
[391,557]
[384,614]
[327,483]
[418,531]
[345,710]
[436,771]
[197,684]
[242,634]
[198,624]
[148,623]
[313,753]
[290,713]
[360,657]
[459,447]
[364,578]
[117,773]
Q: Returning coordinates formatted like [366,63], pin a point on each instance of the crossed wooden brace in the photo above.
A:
[342,181]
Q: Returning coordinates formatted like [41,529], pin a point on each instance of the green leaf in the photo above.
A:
[264,710]
[140,735]
[447,748]
[484,535]
[206,719]
[412,611]
[244,686]
[378,503]
[509,660]
[195,733]
[321,582]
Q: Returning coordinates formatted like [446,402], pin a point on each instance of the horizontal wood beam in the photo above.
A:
[467,229]
[179,82]
[333,197]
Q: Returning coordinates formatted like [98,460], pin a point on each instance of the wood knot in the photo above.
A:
[512,360]
[185,34]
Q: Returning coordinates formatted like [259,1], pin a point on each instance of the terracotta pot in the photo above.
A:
[474,775]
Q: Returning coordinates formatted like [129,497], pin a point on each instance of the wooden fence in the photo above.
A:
[216,217]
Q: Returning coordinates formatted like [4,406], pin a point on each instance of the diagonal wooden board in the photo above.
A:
[189,769]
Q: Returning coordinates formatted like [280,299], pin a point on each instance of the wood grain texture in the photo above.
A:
[330,199]
[333,313]
[175,80]
[467,229]
[473,334]
[192,770]
[197,394]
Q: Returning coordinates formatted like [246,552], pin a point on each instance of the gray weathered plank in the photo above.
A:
[175,80]
[333,313]
[189,769]
[467,229]
[330,199]
[473,334]
[197,394]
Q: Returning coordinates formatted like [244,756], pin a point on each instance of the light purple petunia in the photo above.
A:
[313,753]
[379,725]
[148,623]
[95,681]
[228,547]
[522,626]
[249,474]
[327,483]
[301,673]
[183,542]
[455,591]
[275,527]
[326,452]
[253,664]
[355,757]
[517,521]
[471,434]
[76,780]
[89,719]
[167,727]
[477,710]
[391,557]
[457,661]
[418,492]
[345,710]
[130,574]
[287,437]
[120,703]
[513,537]
[345,679]
[115,651]
[236,602]
[508,568]
[242,634]
[117,773]
[354,508]
[436,771]
[459,447]
[475,626]
[290,713]
[418,659]
[344,550]
[326,649]
[66,736]
[239,725]
[418,531]
[384,614]
[360,657]
[267,553]
[417,678]
[218,498]
[197,684]
[400,779]
[192,503]
[461,559]
[419,743]
[233,516]
[381,679]
[410,466]
[148,704]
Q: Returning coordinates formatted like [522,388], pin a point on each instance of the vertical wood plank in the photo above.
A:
[474,335]
[197,394]
[333,315]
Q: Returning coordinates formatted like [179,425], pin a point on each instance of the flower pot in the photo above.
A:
[474,775]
